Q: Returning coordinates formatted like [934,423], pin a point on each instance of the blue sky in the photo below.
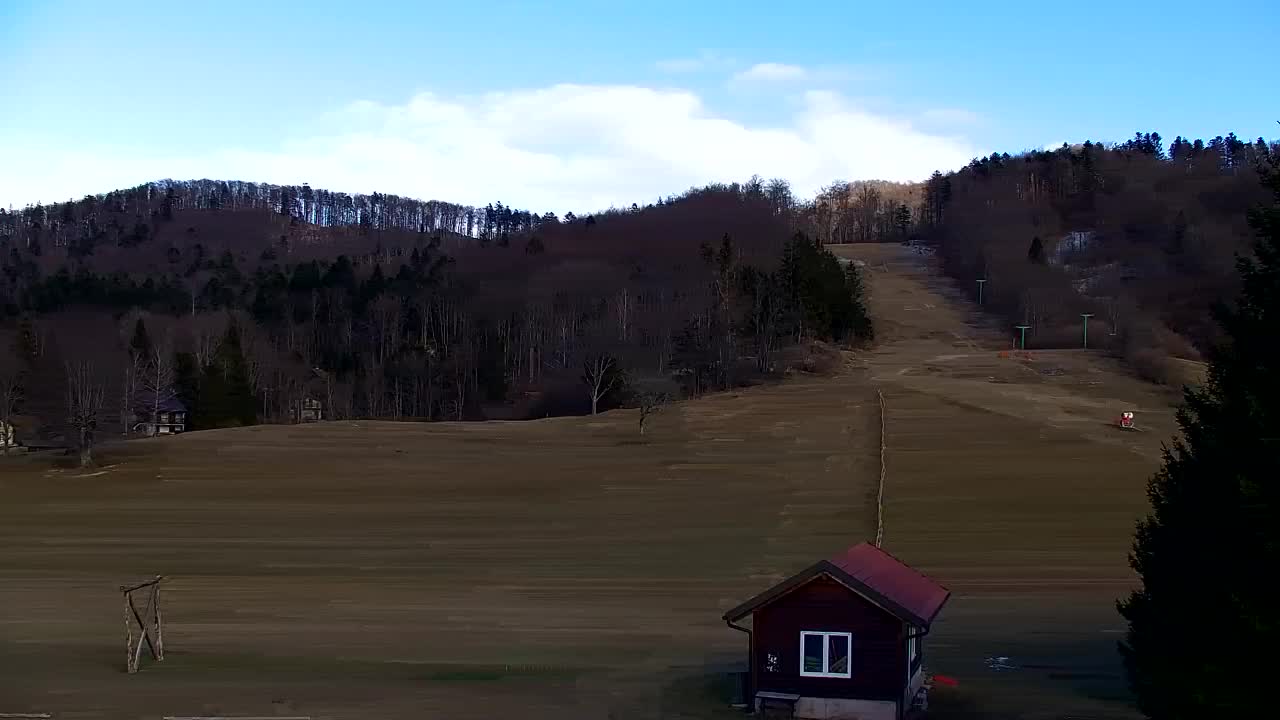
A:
[571,105]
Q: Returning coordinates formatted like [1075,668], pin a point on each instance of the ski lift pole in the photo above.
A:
[1023,340]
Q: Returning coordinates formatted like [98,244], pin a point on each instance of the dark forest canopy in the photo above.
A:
[387,320]
[1197,641]
[382,306]
[319,207]
[1143,237]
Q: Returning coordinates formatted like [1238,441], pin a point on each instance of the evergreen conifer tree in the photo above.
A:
[1035,253]
[1208,610]
[225,398]
[186,383]
[140,345]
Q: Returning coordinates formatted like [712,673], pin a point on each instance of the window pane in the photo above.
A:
[838,654]
[812,648]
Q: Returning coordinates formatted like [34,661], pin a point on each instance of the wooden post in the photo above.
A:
[880,494]
[128,637]
[159,625]
[150,629]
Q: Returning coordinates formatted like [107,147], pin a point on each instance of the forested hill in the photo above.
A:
[250,298]
[152,227]
[248,303]
[1143,237]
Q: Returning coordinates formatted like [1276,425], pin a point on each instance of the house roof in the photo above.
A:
[873,573]
[168,403]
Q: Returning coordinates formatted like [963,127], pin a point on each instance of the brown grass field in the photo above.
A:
[572,568]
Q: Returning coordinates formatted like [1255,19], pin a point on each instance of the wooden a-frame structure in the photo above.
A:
[147,620]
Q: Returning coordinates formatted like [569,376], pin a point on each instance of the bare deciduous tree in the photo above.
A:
[134,369]
[567,338]
[84,402]
[207,332]
[384,324]
[10,399]
[624,310]
[157,379]
[764,311]
[256,348]
[651,395]
[600,373]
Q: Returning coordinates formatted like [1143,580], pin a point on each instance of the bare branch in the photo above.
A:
[84,402]
[651,395]
[158,378]
[134,369]
[11,397]
[600,373]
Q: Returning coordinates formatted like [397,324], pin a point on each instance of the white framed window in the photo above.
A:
[826,654]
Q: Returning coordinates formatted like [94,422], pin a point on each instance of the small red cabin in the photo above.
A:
[843,638]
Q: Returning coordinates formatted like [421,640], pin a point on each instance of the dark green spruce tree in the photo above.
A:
[140,345]
[1206,620]
[1035,253]
[859,316]
[186,383]
[827,296]
[225,398]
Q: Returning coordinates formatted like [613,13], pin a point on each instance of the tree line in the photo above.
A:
[1140,236]
[863,211]
[78,223]
[1203,621]
[592,319]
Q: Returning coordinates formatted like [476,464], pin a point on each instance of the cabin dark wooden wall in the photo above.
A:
[879,643]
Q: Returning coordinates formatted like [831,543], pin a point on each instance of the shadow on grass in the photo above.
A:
[282,668]
[106,454]
[1081,695]
[1096,686]
[954,704]
[704,693]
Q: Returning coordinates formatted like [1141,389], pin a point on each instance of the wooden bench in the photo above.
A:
[776,705]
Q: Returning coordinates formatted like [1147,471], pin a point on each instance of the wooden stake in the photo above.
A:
[880,494]
[128,638]
[159,627]
[149,621]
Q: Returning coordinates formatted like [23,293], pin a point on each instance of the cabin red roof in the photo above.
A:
[872,573]
[893,579]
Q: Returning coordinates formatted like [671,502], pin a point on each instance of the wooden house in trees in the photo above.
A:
[312,409]
[843,638]
[307,404]
[8,438]
[169,417]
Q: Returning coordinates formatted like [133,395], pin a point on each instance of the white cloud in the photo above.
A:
[770,72]
[564,147]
